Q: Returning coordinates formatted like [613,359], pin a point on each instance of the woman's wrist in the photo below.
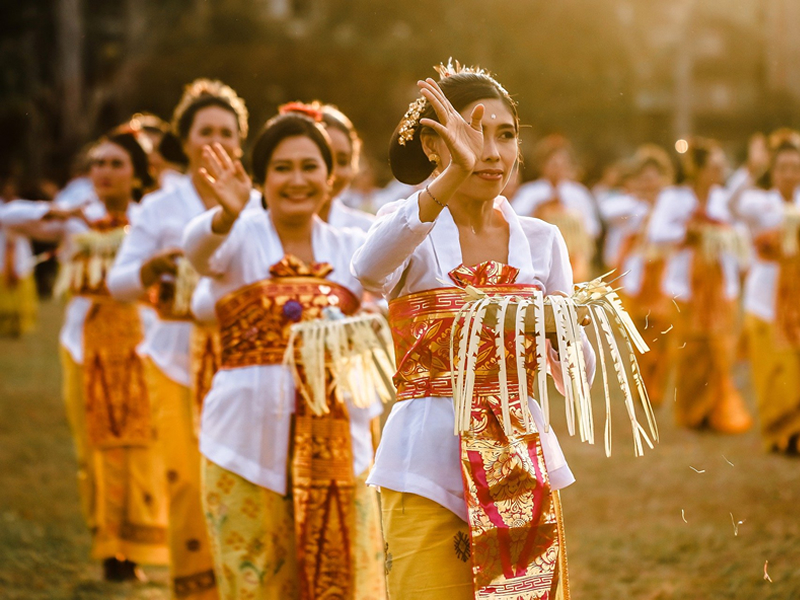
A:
[222,221]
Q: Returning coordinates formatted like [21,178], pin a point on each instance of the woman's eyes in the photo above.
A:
[508,135]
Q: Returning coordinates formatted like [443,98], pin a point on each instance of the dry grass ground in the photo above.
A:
[625,517]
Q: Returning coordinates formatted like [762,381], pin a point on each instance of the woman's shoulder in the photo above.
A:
[538,230]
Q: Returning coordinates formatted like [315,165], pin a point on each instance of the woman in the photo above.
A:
[771,294]
[270,535]
[150,260]
[442,533]
[557,199]
[642,264]
[702,276]
[19,302]
[346,146]
[120,467]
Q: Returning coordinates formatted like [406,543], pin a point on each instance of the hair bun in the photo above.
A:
[409,163]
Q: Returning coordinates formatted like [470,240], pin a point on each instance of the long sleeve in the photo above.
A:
[391,240]
[125,281]
[206,250]
[668,223]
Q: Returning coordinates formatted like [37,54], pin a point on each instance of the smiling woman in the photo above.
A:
[275,471]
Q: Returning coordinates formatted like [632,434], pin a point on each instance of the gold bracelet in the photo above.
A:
[427,191]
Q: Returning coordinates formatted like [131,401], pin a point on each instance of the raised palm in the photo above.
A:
[464,139]
[224,179]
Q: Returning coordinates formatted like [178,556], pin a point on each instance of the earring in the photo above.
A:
[434,158]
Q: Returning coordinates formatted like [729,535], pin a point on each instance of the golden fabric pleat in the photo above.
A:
[204,360]
[117,404]
[776,380]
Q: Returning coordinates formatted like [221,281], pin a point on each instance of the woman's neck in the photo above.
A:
[117,206]
[477,215]
[325,212]
[702,191]
[786,195]
[295,237]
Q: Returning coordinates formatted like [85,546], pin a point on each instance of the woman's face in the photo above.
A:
[500,151]
[713,173]
[649,183]
[343,170]
[111,172]
[212,125]
[786,172]
[558,166]
[297,181]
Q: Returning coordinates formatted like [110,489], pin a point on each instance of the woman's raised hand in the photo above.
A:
[464,139]
[225,179]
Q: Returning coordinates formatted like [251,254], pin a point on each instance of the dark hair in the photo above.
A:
[332,117]
[779,141]
[281,127]
[202,93]
[170,148]
[141,166]
[697,155]
[461,87]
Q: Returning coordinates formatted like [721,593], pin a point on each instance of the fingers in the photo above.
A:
[440,129]
[477,116]
[223,157]
[438,107]
[240,173]
[212,163]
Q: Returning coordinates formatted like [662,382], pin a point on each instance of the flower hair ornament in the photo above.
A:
[313,110]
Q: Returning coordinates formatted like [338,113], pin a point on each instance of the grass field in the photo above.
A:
[654,528]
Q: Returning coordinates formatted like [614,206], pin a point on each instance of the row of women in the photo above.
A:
[689,258]
[195,445]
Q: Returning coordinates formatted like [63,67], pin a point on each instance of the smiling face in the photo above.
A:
[112,173]
[212,124]
[500,151]
[343,167]
[786,172]
[296,183]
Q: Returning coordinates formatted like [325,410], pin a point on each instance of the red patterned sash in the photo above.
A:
[515,536]
[254,330]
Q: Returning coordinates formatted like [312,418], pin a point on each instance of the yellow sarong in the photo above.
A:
[253,535]
[428,551]
[19,306]
[776,379]
[192,565]
[706,395]
[121,488]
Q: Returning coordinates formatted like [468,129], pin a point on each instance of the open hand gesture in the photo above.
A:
[464,139]
[225,180]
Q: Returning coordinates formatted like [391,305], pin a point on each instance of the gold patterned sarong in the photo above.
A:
[255,323]
[515,538]
[204,359]
[117,405]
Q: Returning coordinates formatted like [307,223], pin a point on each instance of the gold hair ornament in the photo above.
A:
[408,125]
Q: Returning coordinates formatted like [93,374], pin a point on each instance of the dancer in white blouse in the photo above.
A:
[642,263]
[694,223]
[772,292]
[463,135]
[120,472]
[346,145]
[267,269]
[556,198]
[150,261]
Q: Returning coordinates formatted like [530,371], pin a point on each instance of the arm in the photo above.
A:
[391,240]
[141,261]
[36,219]
[204,248]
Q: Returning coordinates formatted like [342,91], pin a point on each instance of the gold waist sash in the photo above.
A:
[254,321]
[515,535]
